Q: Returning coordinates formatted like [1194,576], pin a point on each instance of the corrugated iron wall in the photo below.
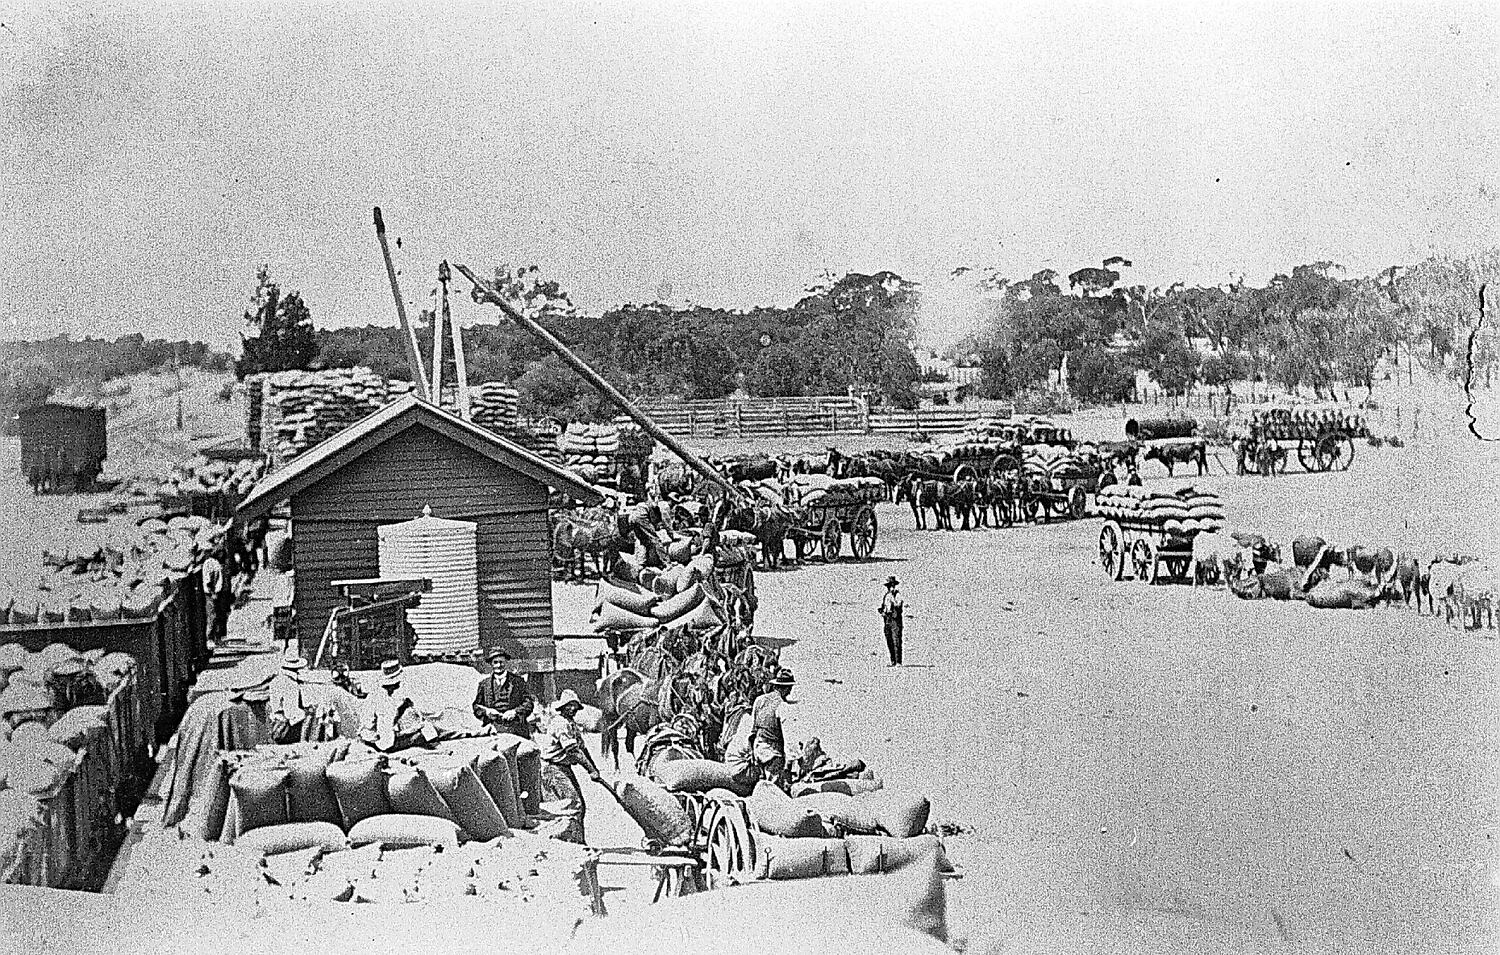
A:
[334,525]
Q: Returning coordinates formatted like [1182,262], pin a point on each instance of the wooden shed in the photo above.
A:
[385,469]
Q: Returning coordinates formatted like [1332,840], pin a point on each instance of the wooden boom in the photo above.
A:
[483,292]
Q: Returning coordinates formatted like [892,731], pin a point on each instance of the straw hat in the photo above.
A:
[292,660]
[783,677]
[891,581]
[568,698]
[390,673]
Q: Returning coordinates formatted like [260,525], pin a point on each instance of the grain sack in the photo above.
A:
[849,787]
[654,810]
[843,814]
[780,815]
[75,728]
[309,796]
[359,786]
[468,802]
[612,617]
[697,775]
[496,774]
[671,608]
[209,803]
[399,829]
[411,793]
[323,887]
[1363,559]
[1341,595]
[289,868]
[876,855]
[629,599]
[259,796]
[898,814]
[1305,550]
[293,837]
[705,616]
[777,858]
[28,773]
[351,864]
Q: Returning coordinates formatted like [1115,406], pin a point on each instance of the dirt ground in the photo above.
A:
[1170,769]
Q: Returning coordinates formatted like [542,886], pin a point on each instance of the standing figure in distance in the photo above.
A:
[891,609]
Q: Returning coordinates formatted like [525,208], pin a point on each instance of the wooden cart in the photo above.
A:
[1146,551]
[824,526]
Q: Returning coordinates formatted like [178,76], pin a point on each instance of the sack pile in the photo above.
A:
[1053,462]
[492,405]
[594,446]
[1296,423]
[107,572]
[681,596]
[202,476]
[820,490]
[736,549]
[300,409]
[1185,511]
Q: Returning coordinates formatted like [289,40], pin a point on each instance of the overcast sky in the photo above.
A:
[714,153]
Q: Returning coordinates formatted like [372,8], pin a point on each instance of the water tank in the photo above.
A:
[443,551]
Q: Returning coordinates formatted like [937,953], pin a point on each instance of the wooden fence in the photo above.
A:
[805,417]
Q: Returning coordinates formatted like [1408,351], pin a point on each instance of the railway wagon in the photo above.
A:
[63,447]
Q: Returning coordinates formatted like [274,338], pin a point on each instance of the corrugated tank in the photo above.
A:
[443,551]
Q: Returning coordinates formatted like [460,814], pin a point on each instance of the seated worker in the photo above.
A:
[768,740]
[503,701]
[562,748]
[287,711]
[391,720]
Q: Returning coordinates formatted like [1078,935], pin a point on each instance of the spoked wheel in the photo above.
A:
[862,537]
[1143,561]
[1307,456]
[833,541]
[731,846]
[1112,551]
[1078,502]
[1335,452]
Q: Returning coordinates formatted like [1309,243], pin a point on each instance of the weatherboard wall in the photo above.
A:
[335,521]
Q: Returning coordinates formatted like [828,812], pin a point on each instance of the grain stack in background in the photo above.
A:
[300,409]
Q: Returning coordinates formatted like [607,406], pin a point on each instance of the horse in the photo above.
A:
[926,495]
[600,532]
[1171,453]
[960,497]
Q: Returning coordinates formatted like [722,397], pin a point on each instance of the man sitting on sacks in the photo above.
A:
[757,749]
[391,719]
[503,701]
[287,710]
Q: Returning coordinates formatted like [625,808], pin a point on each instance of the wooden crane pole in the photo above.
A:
[408,334]
[446,317]
[485,293]
[437,353]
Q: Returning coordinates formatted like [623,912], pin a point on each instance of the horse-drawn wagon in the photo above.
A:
[1322,437]
[1148,533]
[1059,480]
[829,509]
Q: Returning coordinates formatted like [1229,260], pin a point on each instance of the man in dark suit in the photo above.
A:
[504,701]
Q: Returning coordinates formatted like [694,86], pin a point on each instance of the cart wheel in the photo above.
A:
[1335,452]
[862,536]
[832,540]
[1111,553]
[1078,502]
[1143,561]
[731,846]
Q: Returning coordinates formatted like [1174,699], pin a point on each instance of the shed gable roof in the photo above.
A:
[370,432]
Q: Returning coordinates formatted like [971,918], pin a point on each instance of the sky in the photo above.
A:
[155,155]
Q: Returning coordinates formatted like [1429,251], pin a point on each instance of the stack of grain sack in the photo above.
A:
[492,404]
[107,572]
[57,700]
[1053,462]
[820,490]
[1183,511]
[684,595]
[201,476]
[1296,422]
[590,450]
[299,409]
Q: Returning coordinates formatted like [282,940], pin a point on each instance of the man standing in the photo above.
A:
[562,748]
[891,609]
[503,700]
[769,746]
[216,598]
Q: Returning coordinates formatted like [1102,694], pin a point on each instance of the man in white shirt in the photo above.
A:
[391,719]
[286,711]
[562,748]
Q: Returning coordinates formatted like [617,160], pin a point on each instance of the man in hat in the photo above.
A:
[892,607]
[391,719]
[286,711]
[503,701]
[217,597]
[562,748]
[769,742]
